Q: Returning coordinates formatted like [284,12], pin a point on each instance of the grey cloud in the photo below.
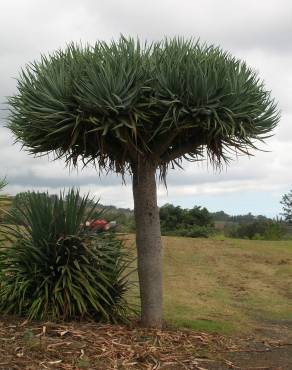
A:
[235,24]
[195,176]
[256,31]
[33,180]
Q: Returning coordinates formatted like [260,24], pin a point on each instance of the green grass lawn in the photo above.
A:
[227,286]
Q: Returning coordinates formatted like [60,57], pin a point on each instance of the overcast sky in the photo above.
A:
[259,32]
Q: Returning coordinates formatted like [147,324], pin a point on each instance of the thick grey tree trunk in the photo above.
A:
[148,241]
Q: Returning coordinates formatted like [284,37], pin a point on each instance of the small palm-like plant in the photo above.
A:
[54,269]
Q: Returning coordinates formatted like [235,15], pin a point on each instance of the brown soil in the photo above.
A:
[86,345]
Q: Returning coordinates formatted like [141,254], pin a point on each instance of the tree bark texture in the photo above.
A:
[148,241]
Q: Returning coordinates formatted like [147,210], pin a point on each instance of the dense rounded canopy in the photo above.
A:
[116,103]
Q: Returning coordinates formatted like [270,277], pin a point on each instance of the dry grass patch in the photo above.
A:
[226,285]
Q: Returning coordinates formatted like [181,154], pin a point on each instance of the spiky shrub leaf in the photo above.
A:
[53,269]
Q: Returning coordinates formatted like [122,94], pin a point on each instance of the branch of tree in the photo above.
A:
[186,147]
[161,148]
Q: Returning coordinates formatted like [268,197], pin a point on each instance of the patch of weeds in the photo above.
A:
[212,326]
[286,269]
[28,336]
[283,315]
[30,340]
[83,363]
[219,236]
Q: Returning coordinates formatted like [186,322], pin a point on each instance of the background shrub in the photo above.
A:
[194,222]
[54,269]
[194,231]
[266,230]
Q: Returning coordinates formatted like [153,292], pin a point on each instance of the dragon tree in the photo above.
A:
[141,109]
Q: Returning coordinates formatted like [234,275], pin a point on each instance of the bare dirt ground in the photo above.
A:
[46,345]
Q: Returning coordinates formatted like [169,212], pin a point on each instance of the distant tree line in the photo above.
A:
[257,229]
[198,221]
[241,219]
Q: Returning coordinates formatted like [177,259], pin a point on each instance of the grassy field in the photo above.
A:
[227,286]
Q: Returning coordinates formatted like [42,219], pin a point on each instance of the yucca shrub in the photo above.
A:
[54,269]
